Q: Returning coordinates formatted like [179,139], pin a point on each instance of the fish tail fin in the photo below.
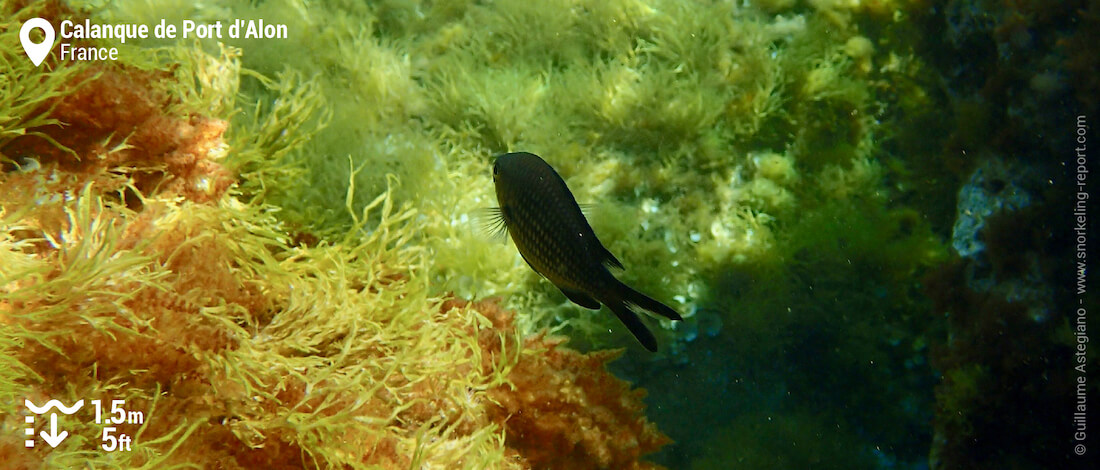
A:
[621,303]
[647,303]
[634,324]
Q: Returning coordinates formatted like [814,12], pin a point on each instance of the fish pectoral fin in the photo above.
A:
[580,298]
[492,222]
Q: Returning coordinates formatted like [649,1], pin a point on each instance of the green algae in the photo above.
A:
[314,350]
[653,111]
[743,150]
[26,98]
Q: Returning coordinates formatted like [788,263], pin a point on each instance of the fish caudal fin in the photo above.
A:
[645,302]
[635,325]
[621,304]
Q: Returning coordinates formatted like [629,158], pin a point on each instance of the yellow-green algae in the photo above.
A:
[332,365]
[239,343]
[714,127]
[669,115]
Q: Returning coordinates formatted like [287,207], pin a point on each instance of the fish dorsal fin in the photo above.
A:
[605,256]
[609,259]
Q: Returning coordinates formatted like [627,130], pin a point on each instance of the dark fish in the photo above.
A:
[552,235]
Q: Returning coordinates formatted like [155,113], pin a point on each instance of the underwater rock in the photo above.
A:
[998,189]
[991,188]
[1006,323]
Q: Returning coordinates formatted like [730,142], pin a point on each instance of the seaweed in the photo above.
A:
[141,259]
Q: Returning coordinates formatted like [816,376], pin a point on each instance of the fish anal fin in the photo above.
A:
[580,298]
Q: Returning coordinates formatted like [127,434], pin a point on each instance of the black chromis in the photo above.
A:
[550,232]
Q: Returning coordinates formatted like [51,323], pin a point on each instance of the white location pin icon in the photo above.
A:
[37,52]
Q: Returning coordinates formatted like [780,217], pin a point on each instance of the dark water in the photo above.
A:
[966,361]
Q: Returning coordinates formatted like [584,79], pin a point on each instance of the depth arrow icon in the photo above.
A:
[53,438]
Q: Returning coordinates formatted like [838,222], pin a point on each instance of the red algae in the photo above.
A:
[562,409]
[117,120]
